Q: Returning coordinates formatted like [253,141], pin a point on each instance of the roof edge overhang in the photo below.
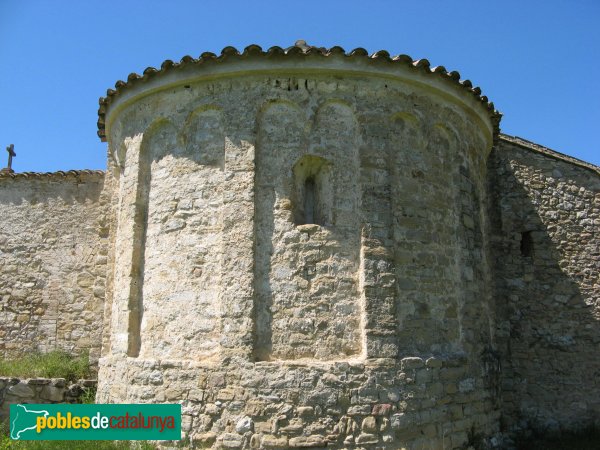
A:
[297,61]
[61,174]
[546,151]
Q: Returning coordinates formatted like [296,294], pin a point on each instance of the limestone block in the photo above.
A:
[400,421]
[204,438]
[365,438]
[359,410]
[231,440]
[52,393]
[382,409]
[270,441]
[369,424]
[412,363]
[305,411]
[21,390]
[255,441]
[244,425]
[307,441]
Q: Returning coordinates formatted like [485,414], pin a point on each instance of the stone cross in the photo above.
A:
[11,154]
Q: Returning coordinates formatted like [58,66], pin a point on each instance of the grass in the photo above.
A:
[7,444]
[89,396]
[58,364]
[55,364]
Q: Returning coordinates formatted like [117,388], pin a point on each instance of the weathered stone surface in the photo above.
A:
[366,438]
[546,219]
[354,226]
[52,228]
[369,424]
[305,411]
[204,438]
[21,390]
[39,381]
[402,420]
[231,440]
[309,259]
[382,409]
[38,390]
[359,410]
[270,441]
[412,363]
[52,393]
[307,441]
[244,425]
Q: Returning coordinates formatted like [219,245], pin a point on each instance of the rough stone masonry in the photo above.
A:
[312,248]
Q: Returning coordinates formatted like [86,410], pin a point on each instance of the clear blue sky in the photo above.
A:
[538,61]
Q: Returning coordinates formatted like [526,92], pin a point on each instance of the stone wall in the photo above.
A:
[52,262]
[546,217]
[308,233]
[301,261]
[40,390]
[410,403]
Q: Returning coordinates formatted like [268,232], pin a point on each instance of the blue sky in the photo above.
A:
[538,61]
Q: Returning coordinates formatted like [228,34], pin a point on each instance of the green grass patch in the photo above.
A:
[6,443]
[73,445]
[55,364]
[88,396]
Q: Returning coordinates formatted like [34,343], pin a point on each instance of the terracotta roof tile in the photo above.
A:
[59,174]
[301,48]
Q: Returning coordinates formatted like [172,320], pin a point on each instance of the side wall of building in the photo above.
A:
[52,262]
[546,217]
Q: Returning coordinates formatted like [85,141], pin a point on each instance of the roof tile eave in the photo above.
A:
[299,48]
[57,174]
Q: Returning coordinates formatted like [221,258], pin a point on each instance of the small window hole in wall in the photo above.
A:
[312,195]
[309,200]
[526,244]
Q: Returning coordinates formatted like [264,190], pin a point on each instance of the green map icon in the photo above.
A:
[23,420]
[65,421]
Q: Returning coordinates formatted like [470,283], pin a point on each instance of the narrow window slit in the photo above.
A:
[312,192]
[309,200]
[526,244]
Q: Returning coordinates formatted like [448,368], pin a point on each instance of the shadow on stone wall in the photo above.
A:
[263,249]
[546,274]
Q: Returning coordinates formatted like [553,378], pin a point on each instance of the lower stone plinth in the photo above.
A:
[390,404]
[40,390]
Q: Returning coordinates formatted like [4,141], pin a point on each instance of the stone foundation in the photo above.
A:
[40,390]
[413,403]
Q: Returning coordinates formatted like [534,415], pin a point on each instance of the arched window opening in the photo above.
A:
[312,196]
